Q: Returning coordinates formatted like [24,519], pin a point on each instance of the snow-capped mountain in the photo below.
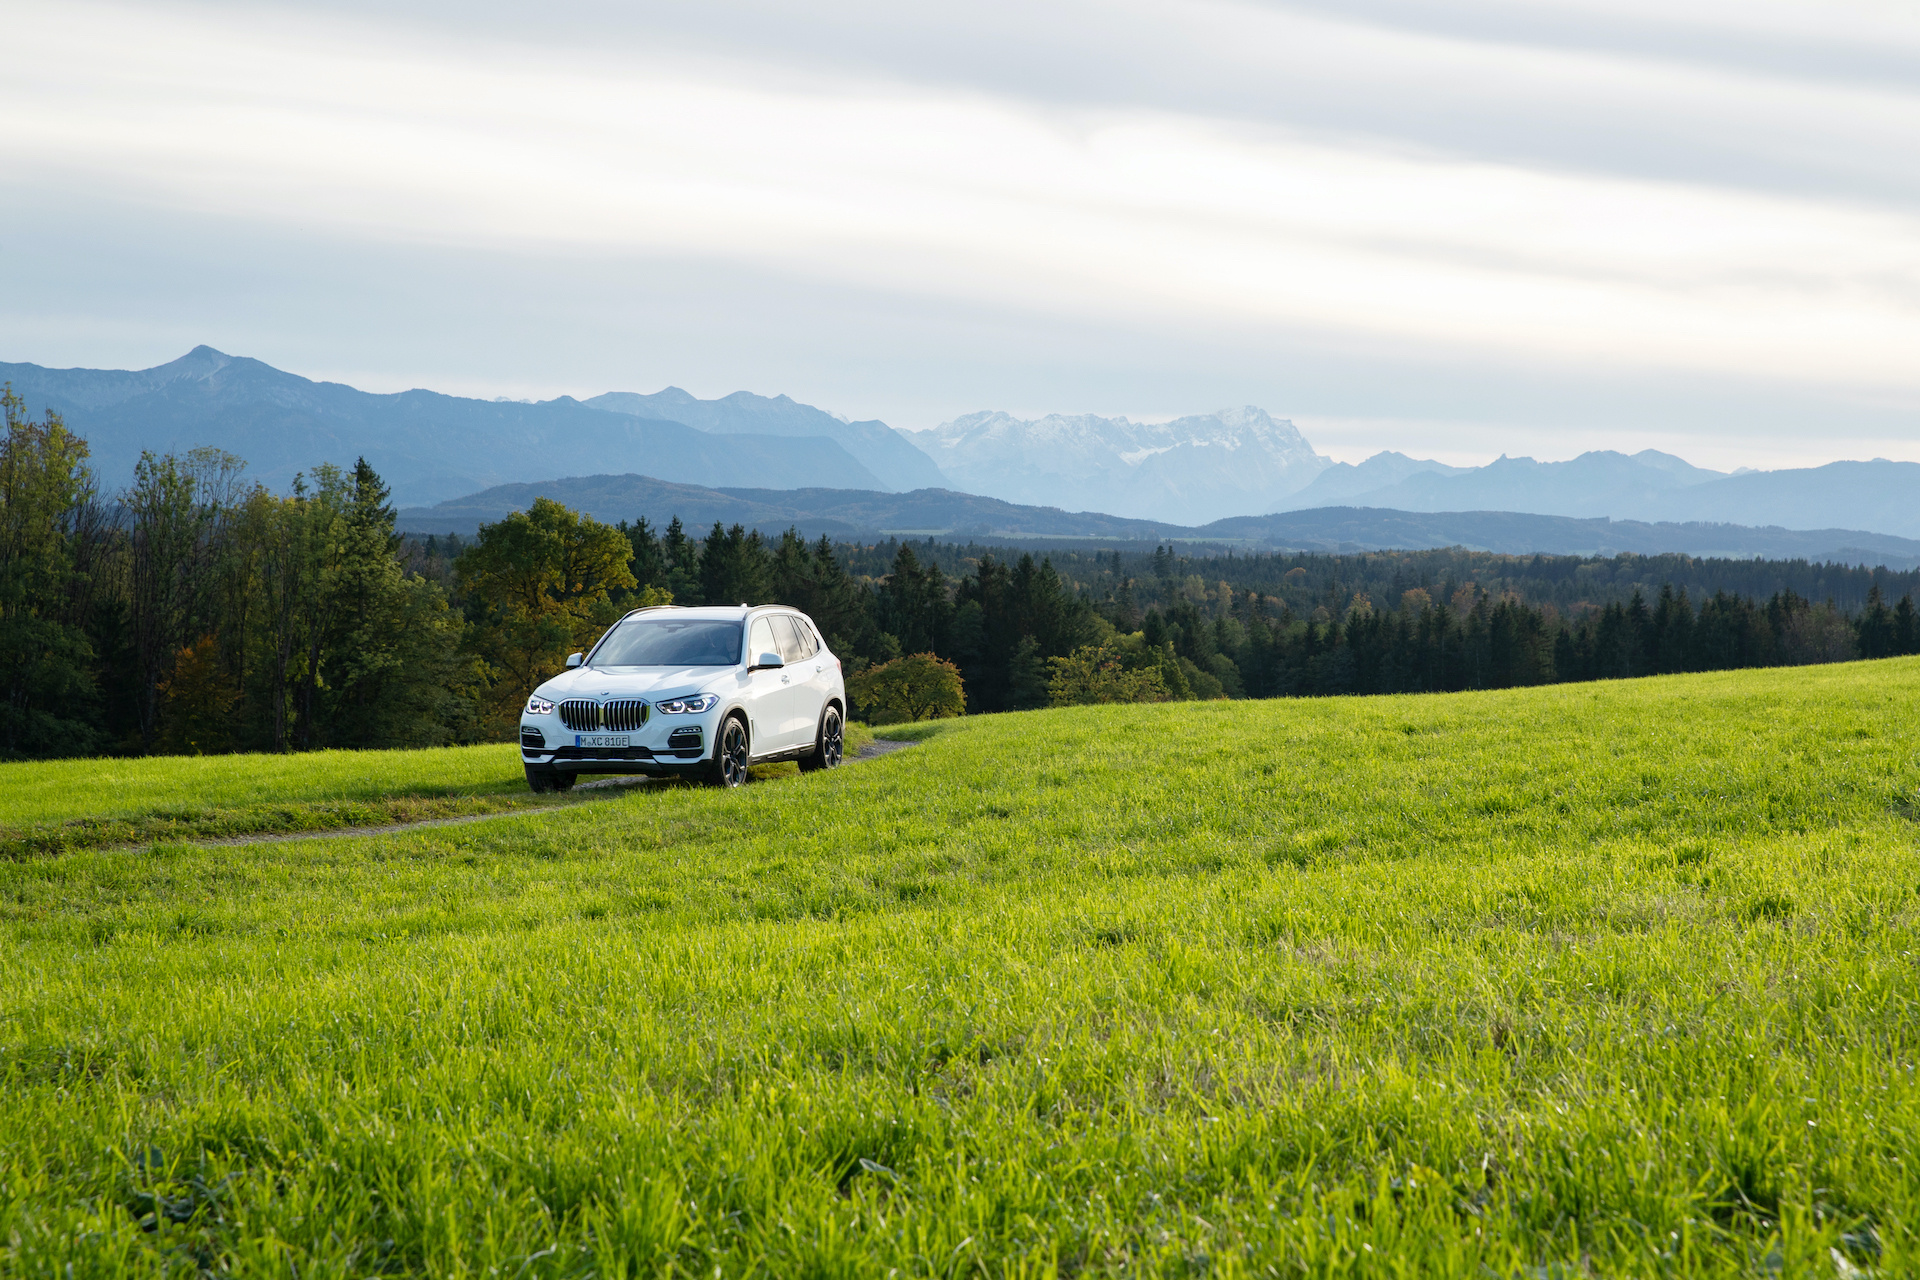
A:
[1191,470]
[887,453]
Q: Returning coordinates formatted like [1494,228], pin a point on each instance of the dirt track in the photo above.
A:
[604,786]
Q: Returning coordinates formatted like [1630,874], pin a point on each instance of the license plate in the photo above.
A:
[600,740]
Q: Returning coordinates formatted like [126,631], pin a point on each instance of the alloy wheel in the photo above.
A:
[733,754]
[832,742]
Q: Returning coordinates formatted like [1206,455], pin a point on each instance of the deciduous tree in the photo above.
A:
[919,686]
[539,585]
[1098,673]
[46,546]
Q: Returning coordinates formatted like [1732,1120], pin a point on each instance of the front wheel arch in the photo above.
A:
[731,757]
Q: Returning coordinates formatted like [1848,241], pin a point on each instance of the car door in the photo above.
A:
[769,691]
[804,666]
[797,712]
[819,671]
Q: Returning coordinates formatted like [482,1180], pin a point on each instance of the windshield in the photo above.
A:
[671,642]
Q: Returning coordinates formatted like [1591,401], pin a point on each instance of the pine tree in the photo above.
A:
[1875,627]
[648,559]
[1906,633]
[913,604]
[680,556]
[735,567]
[1027,677]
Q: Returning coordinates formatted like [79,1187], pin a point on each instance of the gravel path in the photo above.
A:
[879,747]
[602,786]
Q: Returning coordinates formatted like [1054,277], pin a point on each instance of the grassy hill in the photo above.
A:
[1592,979]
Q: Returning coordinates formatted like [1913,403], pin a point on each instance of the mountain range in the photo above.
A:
[430,446]
[1189,473]
[842,513]
[886,453]
[1200,469]
[1648,486]
[1189,470]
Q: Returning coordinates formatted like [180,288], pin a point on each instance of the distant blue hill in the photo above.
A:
[1647,486]
[857,514]
[427,446]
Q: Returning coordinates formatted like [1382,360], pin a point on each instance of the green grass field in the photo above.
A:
[54,806]
[1607,979]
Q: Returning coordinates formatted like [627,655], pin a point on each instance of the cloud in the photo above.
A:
[1607,191]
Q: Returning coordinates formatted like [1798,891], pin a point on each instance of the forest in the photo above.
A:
[197,612]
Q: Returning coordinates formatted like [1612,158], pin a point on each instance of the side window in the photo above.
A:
[790,646]
[761,641]
[809,642]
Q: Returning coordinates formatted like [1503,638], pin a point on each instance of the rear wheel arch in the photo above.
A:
[829,739]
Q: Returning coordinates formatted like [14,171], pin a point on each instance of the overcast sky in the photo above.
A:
[1452,227]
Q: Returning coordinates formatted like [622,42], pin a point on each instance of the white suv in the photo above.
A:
[700,692]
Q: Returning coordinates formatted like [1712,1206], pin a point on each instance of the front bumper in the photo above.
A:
[665,744]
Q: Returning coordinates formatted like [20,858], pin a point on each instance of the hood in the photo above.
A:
[591,682]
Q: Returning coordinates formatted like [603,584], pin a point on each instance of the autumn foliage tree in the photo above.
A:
[197,702]
[539,586]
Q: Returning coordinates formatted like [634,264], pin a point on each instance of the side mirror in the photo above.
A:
[574,659]
[768,660]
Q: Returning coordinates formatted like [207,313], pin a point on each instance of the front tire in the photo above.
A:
[731,755]
[829,744]
[542,778]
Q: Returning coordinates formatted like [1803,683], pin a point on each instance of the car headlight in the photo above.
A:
[538,706]
[688,706]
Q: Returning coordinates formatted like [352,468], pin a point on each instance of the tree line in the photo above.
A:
[1023,634]
[196,611]
[1160,574]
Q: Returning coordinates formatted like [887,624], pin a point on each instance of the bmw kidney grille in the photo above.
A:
[620,716]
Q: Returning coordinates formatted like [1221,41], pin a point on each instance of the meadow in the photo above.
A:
[1602,979]
[52,806]
[47,806]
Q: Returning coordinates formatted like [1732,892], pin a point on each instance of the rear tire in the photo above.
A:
[829,743]
[731,755]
